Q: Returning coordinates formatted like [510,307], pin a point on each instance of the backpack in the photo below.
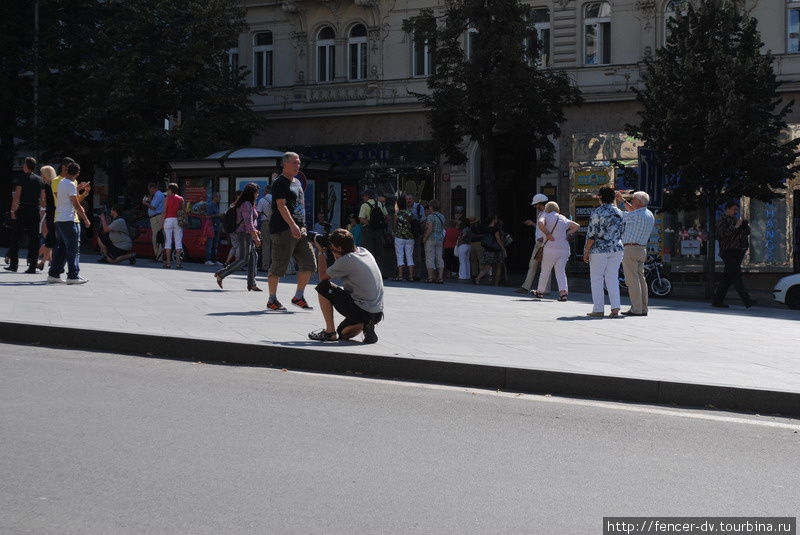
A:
[229,222]
[377,221]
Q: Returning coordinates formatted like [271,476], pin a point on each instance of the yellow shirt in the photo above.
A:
[54,188]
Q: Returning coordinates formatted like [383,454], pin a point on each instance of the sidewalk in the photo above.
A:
[683,352]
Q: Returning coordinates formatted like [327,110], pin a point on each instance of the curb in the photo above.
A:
[453,373]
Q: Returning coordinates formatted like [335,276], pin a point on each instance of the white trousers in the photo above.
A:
[604,268]
[404,248]
[554,258]
[173,233]
[463,252]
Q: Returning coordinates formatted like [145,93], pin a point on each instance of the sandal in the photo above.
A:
[562,297]
[429,281]
[440,281]
[537,294]
[219,280]
[397,279]
[166,265]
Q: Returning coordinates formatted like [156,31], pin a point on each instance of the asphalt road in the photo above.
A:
[99,443]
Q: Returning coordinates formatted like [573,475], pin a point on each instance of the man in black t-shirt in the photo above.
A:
[28,198]
[288,234]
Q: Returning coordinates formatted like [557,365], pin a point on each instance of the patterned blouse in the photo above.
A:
[605,228]
[404,231]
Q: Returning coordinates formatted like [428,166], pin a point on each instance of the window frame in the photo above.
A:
[362,54]
[427,59]
[540,27]
[601,43]
[330,57]
[233,53]
[792,5]
[264,66]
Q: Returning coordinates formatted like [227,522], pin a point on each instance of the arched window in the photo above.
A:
[541,21]
[262,59]
[357,52]
[326,54]
[672,9]
[597,33]
[793,26]
[420,57]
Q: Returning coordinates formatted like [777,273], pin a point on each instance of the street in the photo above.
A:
[102,443]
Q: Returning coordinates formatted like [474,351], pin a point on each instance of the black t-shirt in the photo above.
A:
[292,192]
[32,185]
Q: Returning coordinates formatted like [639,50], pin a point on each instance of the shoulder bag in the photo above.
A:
[540,252]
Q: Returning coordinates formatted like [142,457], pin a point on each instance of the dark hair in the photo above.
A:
[248,195]
[66,161]
[30,163]
[434,204]
[173,187]
[73,169]
[491,218]
[151,185]
[236,194]
[369,193]
[401,203]
[730,204]
[342,239]
[607,194]
[117,208]
[267,189]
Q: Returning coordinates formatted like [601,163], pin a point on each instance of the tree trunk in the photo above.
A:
[489,179]
[710,264]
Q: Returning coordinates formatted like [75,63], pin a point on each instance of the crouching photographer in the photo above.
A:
[114,239]
[359,299]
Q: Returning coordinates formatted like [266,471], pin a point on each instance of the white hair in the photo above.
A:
[642,197]
[289,156]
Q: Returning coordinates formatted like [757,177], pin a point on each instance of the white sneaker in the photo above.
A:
[54,280]
[79,280]
[210,263]
[217,263]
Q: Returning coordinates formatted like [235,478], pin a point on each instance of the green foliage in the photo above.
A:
[711,106]
[499,96]
[113,70]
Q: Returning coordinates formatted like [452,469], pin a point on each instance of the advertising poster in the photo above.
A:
[194,190]
[591,179]
[584,206]
[333,210]
[241,182]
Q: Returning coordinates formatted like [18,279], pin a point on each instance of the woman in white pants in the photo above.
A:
[173,233]
[463,250]
[603,253]
[555,251]
[403,239]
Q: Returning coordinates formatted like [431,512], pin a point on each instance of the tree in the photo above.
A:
[499,96]
[720,132]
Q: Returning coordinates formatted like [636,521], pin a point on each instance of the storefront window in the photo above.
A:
[768,239]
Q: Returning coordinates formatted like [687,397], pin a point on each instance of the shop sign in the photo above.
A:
[592,179]
[194,190]
[583,210]
[690,247]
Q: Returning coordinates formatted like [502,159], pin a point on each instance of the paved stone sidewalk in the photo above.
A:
[686,342]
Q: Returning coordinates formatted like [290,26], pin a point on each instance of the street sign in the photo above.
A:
[651,176]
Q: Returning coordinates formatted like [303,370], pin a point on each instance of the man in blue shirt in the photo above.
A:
[639,222]
[155,205]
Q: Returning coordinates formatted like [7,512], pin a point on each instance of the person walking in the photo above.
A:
[477,232]
[155,206]
[249,238]
[538,202]
[288,234]
[734,240]
[233,238]
[463,252]
[215,220]
[68,229]
[403,239]
[373,216]
[639,222]
[28,199]
[555,252]
[603,252]
[434,243]
[49,228]
[264,209]
[494,251]
[173,232]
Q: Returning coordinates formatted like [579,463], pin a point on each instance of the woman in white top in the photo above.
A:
[555,251]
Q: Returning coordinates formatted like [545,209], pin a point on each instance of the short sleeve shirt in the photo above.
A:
[437,221]
[292,192]
[361,278]
[32,185]
[65,211]
[605,228]
[404,231]
[118,233]
[557,225]
[158,204]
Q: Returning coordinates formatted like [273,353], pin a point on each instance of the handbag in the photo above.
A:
[160,237]
[183,221]
[540,253]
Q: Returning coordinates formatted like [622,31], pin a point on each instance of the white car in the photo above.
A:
[787,291]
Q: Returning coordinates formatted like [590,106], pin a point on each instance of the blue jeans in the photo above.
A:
[212,244]
[67,251]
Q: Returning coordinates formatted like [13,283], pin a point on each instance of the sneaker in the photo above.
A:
[210,263]
[276,306]
[301,303]
[323,336]
[79,280]
[369,333]
[54,280]
[218,263]
[521,290]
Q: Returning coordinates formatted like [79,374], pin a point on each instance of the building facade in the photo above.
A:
[338,78]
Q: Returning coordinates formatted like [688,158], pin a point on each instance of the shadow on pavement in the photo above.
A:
[581,318]
[242,313]
[31,283]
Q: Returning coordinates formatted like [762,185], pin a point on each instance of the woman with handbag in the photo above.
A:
[555,251]
[494,251]
[173,232]
[249,238]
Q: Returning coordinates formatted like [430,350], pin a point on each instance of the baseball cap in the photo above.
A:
[539,198]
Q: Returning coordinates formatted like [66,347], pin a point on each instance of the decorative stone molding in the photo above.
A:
[647,13]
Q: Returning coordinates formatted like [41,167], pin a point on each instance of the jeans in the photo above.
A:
[67,251]
[248,255]
[212,244]
[604,268]
[731,275]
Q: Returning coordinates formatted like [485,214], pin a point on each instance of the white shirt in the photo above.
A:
[557,225]
[65,211]
[539,234]
[264,208]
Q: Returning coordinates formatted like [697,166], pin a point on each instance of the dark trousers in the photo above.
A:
[732,274]
[67,251]
[373,242]
[27,223]
[247,255]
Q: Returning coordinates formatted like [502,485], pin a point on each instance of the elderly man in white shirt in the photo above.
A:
[538,201]
[639,222]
